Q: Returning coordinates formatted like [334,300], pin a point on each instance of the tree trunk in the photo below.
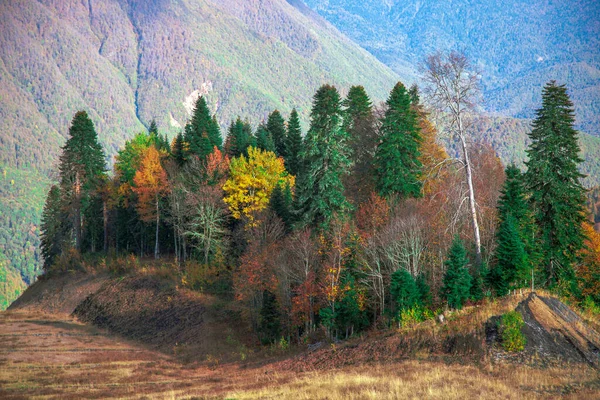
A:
[77,213]
[105,216]
[472,203]
[156,236]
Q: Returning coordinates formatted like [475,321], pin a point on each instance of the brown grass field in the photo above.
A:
[44,356]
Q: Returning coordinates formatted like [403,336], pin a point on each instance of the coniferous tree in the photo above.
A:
[276,126]
[510,256]
[82,171]
[293,144]
[153,129]
[179,151]
[553,179]
[264,141]
[270,320]
[237,140]
[214,134]
[202,132]
[516,252]
[457,283]
[281,204]
[320,191]
[397,162]
[350,317]
[52,229]
[359,122]
[403,290]
[160,142]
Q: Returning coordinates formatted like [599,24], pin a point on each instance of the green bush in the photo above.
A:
[590,306]
[510,332]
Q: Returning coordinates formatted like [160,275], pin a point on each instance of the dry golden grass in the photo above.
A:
[418,379]
[44,356]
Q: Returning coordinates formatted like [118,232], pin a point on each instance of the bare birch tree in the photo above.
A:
[453,90]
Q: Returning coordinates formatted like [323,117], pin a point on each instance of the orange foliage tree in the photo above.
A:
[150,185]
[588,271]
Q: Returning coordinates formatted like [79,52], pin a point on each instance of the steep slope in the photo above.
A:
[130,61]
[518,45]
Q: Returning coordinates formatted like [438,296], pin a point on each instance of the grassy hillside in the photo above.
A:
[518,45]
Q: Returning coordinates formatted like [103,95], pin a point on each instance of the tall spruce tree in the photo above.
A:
[293,144]
[264,141]
[457,281]
[281,202]
[515,251]
[202,133]
[359,122]
[82,171]
[179,152]
[238,138]
[320,191]
[553,179]
[52,228]
[510,257]
[276,126]
[397,162]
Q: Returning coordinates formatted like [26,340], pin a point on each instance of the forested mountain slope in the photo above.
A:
[127,62]
[519,45]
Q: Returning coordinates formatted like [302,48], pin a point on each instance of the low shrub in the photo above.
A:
[510,327]
[590,306]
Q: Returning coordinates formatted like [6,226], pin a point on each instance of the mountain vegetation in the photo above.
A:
[139,67]
[518,46]
[128,63]
[295,253]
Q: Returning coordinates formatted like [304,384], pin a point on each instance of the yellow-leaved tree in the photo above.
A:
[251,182]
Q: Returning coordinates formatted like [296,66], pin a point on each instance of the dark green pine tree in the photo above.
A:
[320,191]
[397,164]
[293,144]
[516,251]
[280,203]
[202,132]
[276,126]
[359,122]
[403,290]
[214,134]
[238,138]
[52,228]
[511,258]
[264,141]
[82,171]
[159,142]
[557,197]
[179,152]
[350,317]
[270,320]
[153,129]
[457,284]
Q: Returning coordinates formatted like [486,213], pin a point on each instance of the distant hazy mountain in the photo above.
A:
[519,45]
[130,61]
